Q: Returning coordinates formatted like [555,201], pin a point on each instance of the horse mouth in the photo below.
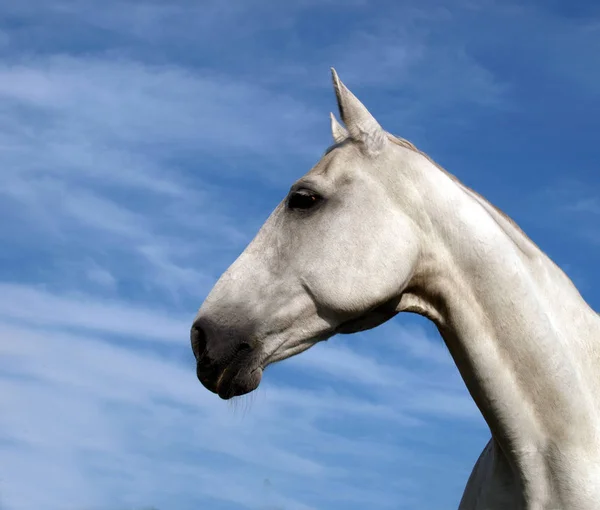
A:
[237,381]
[237,377]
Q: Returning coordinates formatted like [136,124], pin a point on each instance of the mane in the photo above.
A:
[518,236]
[521,240]
[504,222]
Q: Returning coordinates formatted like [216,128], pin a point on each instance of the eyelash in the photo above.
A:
[303,199]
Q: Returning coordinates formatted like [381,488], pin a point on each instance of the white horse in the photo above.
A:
[377,228]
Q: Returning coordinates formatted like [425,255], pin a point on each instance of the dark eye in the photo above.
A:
[303,199]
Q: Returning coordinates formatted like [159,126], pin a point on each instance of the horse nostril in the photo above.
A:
[243,348]
[198,338]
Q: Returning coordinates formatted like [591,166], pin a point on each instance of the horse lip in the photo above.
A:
[237,380]
[240,369]
[220,380]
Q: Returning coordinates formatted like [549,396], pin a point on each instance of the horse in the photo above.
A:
[376,228]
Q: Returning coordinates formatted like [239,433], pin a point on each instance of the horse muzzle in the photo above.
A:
[231,368]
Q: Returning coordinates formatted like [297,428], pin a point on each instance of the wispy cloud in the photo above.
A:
[141,145]
[132,104]
[58,382]
[99,148]
[572,205]
[589,205]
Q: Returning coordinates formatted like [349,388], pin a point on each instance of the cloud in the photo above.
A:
[142,144]
[587,205]
[100,148]
[417,65]
[127,103]
[572,206]
[112,170]
[132,405]
[36,306]
[417,342]
[100,276]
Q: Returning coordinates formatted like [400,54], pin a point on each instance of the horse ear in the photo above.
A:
[339,132]
[361,125]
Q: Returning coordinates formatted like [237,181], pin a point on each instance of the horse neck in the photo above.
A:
[521,335]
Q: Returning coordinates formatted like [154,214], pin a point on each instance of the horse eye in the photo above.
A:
[303,199]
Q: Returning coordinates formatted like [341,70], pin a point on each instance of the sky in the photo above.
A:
[144,143]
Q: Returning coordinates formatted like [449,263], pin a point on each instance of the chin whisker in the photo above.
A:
[242,405]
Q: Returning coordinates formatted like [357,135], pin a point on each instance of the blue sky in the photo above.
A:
[143,143]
